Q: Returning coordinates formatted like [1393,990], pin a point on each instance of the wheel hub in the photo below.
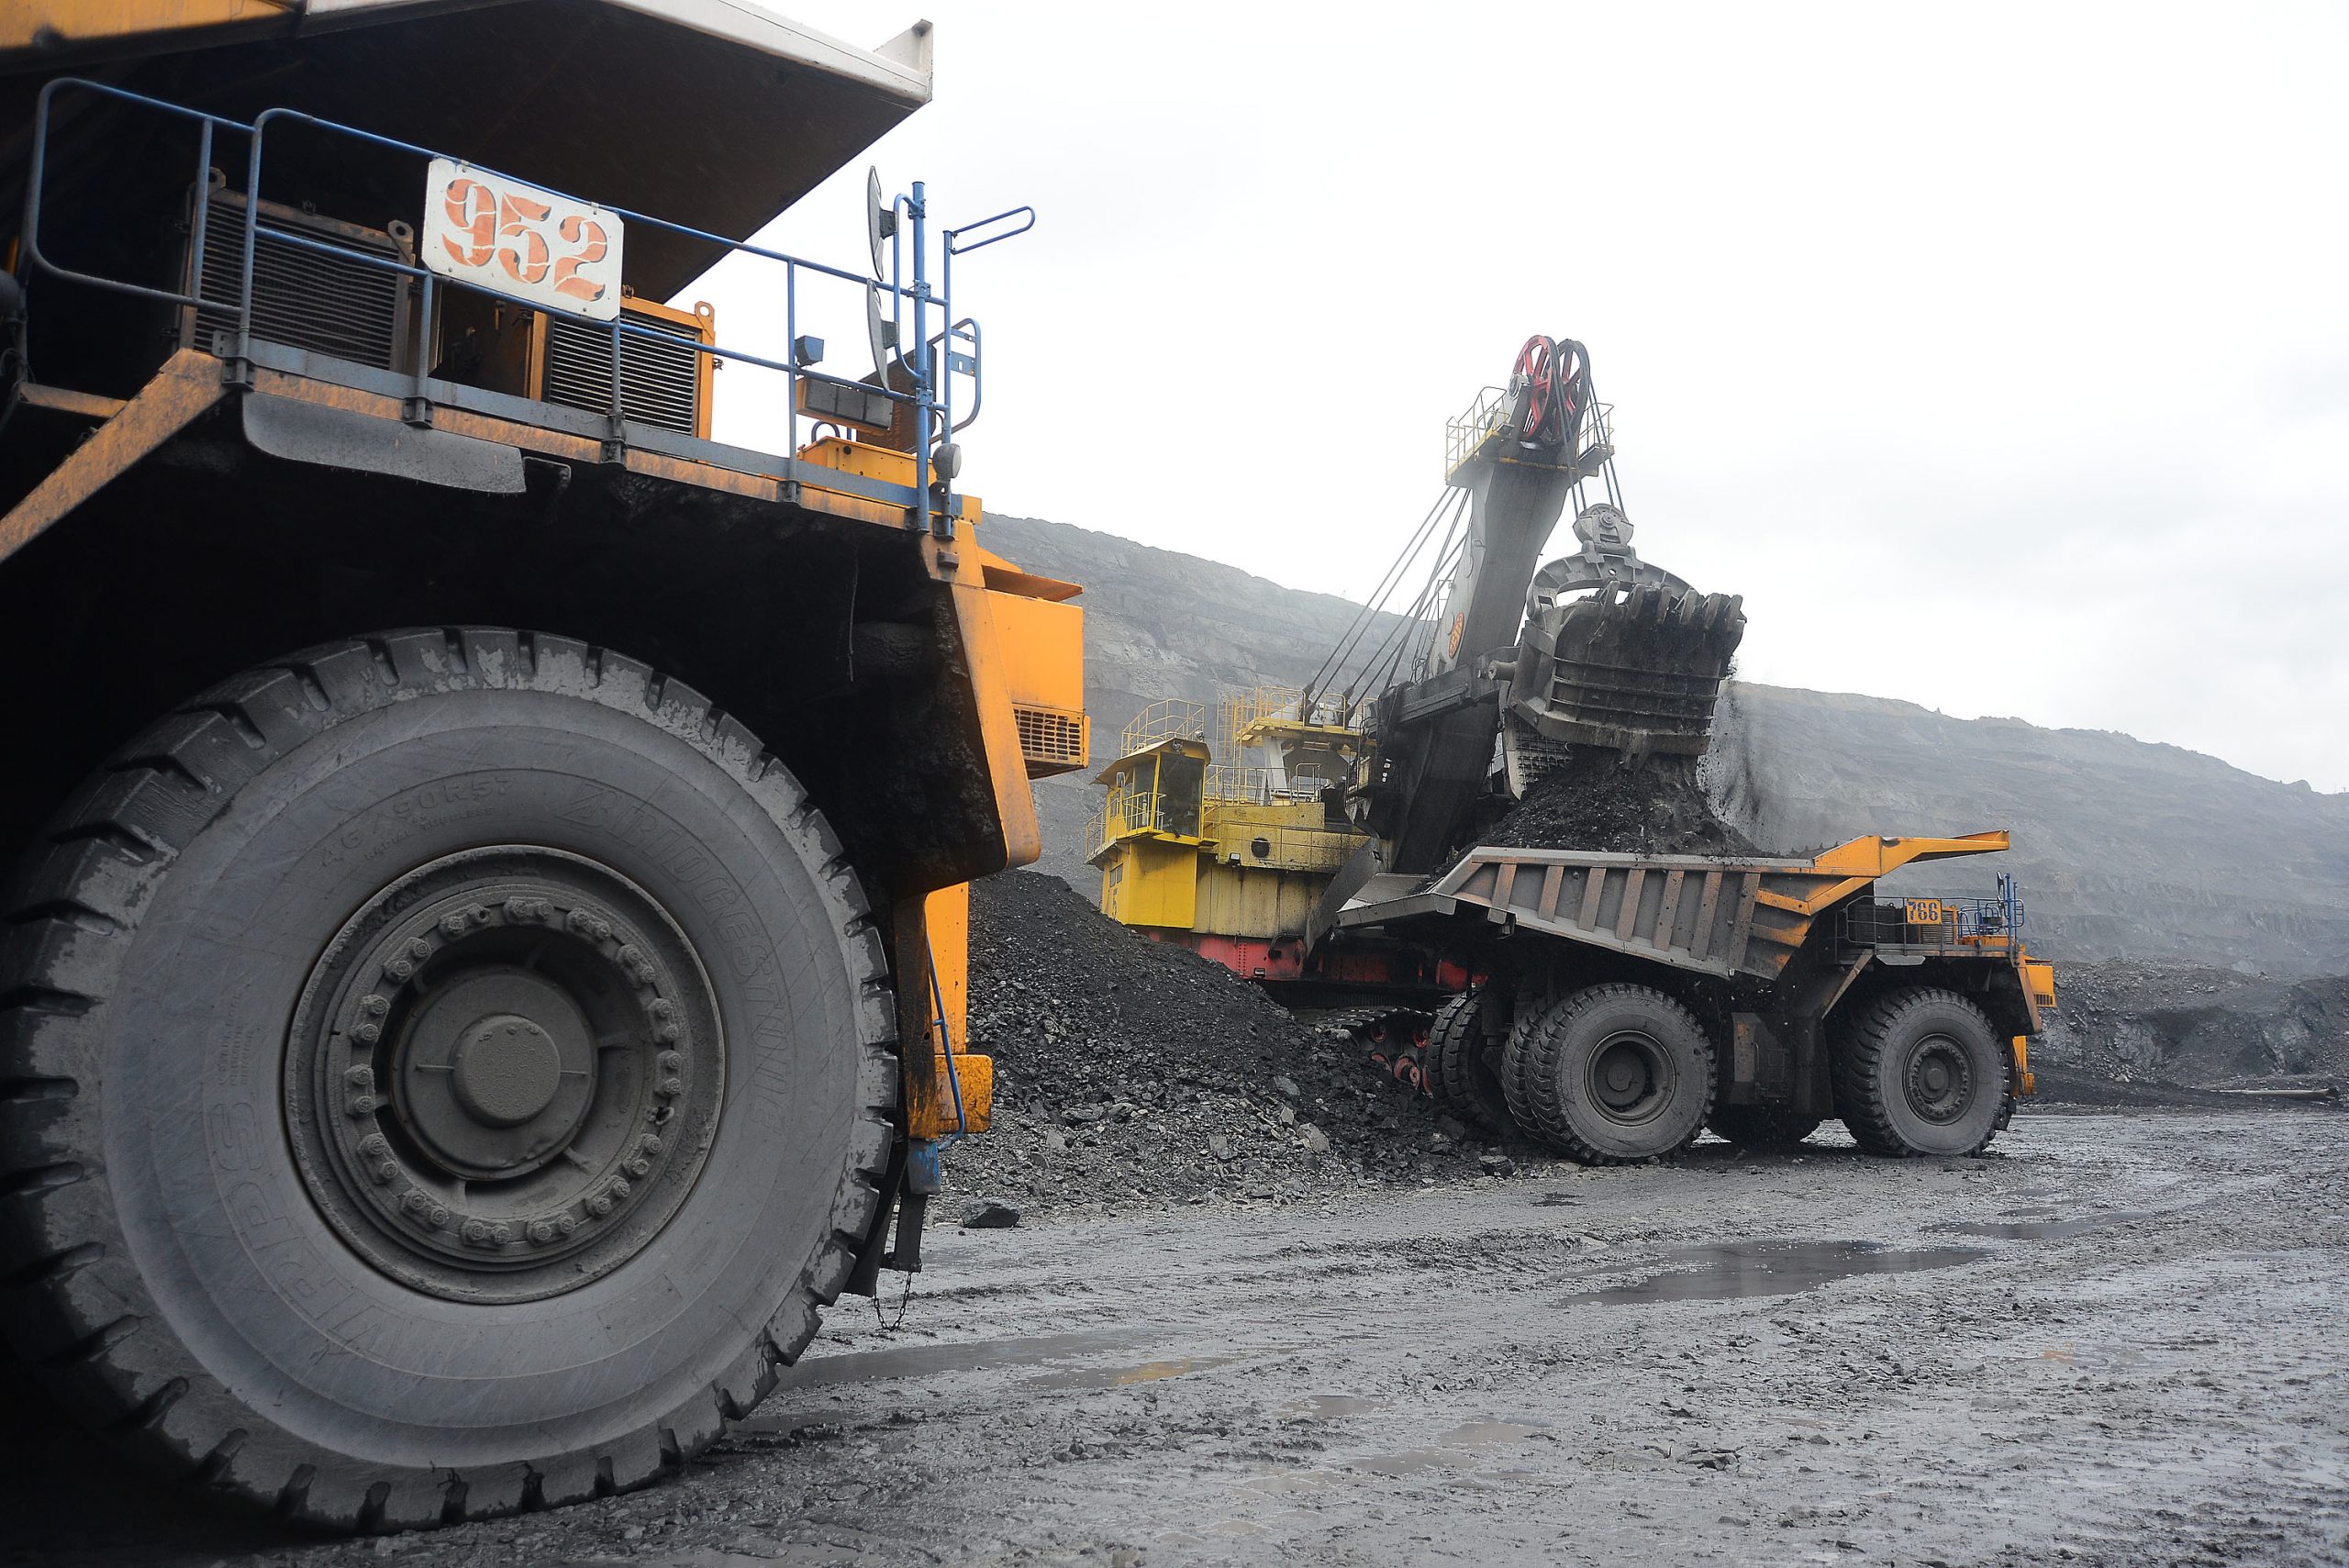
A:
[1629,1076]
[504,1074]
[1939,1079]
[506,1071]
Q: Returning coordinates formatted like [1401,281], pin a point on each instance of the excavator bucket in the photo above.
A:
[1633,668]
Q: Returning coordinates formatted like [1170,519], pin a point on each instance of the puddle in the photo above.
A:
[2091,1357]
[2049,1229]
[1125,1376]
[1332,1406]
[1449,1451]
[1773,1268]
[928,1360]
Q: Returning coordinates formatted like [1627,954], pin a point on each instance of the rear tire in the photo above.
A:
[293,1222]
[1920,1071]
[1612,1076]
[1762,1127]
[1460,1069]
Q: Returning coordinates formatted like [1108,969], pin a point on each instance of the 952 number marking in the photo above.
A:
[535,245]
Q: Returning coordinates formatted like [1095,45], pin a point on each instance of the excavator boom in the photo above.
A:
[1597,649]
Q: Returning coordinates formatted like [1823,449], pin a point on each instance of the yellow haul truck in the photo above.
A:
[483,956]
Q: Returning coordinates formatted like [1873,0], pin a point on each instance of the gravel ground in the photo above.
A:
[2113,1342]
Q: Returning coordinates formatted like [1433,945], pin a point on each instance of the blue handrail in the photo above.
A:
[932,386]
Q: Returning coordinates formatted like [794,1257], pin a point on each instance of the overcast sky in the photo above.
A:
[1998,356]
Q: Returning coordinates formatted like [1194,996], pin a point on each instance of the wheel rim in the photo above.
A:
[504,1074]
[1939,1080]
[1630,1077]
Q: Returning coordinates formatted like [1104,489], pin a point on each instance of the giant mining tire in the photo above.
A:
[1762,1127]
[1922,1072]
[1459,1072]
[441,1075]
[1612,1076]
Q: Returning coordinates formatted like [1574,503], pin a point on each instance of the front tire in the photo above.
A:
[441,1075]
[1920,1071]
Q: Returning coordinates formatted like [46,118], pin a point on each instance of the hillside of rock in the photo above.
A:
[2126,848]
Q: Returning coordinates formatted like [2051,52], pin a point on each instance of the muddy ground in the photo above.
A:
[2116,1341]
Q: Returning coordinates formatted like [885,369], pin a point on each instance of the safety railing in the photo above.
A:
[901,307]
[1127,810]
[1466,432]
[1231,784]
[1309,848]
[1935,921]
[1168,719]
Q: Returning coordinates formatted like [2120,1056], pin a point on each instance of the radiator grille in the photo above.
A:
[1052,741]
[303,298]
[660,380]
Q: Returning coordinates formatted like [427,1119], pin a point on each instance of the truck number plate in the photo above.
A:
[534,245]
[1924,911]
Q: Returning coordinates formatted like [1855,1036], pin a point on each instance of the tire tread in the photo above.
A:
[84,882]
[1537,1075]
[1857,1071]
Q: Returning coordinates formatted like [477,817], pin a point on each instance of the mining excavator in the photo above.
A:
[1609,1002]
[483,965]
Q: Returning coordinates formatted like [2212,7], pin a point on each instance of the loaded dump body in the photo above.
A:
[484,955]
[1772,952]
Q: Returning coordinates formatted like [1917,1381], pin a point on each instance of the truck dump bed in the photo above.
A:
[1741,916]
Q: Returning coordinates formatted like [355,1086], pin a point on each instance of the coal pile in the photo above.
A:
[1133,1073]
[2129,1032]
[1596,801]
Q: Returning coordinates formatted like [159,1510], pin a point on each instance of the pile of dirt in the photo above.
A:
[2132,1032]
[1596,800]
[1133,1071]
